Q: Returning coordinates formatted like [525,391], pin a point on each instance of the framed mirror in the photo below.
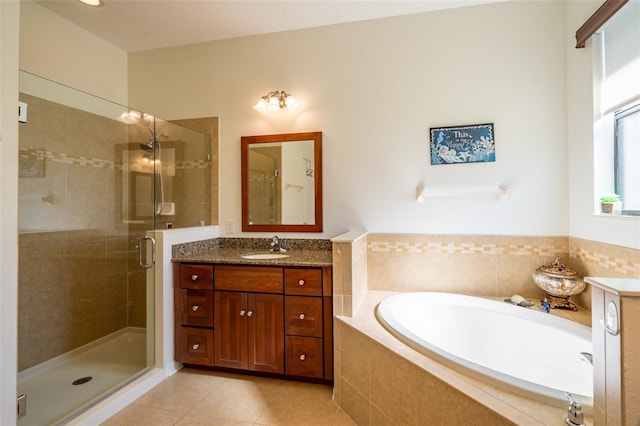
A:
[282,182]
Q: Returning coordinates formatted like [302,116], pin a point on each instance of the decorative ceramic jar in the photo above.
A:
[559,283]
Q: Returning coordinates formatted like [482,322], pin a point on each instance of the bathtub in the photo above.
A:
[521,350]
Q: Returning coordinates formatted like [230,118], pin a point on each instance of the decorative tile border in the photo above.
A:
[467,248]
[41,154]
[574,248]
[56,157]
[626,267]
[193,164]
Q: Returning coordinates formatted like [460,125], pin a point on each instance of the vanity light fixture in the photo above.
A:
[93,3]
[276,100]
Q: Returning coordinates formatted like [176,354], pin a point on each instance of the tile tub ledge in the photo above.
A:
[508,406]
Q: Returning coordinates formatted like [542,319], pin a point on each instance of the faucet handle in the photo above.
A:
[575,417]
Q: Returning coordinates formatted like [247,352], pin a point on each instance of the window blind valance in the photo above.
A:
[597,20]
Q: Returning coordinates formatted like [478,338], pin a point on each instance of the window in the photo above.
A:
[617,109]
[627,158]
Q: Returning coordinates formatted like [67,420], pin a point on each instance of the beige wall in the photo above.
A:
[53,48]
[374,88]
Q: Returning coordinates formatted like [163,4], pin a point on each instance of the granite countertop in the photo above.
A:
[228,251]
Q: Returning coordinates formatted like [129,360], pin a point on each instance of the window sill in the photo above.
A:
[619,216]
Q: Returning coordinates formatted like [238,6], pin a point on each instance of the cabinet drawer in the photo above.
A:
[258,279]
[199,277]
[303,316]
[197,309]
[197,346]
[307,282]
[303,356]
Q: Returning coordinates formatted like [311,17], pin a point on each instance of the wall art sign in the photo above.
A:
[462,144]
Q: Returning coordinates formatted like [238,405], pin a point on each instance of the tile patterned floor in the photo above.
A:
[194,397]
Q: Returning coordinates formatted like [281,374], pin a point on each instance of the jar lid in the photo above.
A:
[557,269]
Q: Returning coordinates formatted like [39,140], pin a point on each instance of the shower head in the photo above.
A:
[147,146]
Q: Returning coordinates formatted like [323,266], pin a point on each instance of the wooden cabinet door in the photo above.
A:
[266,332]
[230,329]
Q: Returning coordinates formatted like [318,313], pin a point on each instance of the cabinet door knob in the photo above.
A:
[194,308]
[302,316]
[195,346]
[303,357]
[242,313]
[301,282]
[249,313]
[194,277]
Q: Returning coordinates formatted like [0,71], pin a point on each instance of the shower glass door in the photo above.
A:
[89,201]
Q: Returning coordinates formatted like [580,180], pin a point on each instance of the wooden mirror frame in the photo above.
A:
[245,141]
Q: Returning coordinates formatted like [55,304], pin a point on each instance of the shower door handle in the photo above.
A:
[141,243]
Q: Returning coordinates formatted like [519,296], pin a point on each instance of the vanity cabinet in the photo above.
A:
[193,311]
[248,318]
[268,319]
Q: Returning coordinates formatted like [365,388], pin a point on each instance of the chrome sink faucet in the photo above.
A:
[276,246]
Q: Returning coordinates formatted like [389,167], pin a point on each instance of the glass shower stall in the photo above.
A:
[96,179]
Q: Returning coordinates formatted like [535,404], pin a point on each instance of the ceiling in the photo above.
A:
[134,25]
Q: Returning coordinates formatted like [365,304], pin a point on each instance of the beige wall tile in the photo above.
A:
[439,404]
[354,404]
[386,271]
[428,271]
[474,274]
[394,385]
[355,355]
[514,276]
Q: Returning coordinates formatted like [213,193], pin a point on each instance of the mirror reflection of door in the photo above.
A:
[264,184]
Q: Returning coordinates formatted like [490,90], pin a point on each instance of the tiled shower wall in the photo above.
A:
[76,276]
[78,273]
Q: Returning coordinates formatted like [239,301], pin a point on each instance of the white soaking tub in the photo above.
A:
[523,350]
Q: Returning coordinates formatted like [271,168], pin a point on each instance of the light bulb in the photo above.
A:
[261,105]
[290,102]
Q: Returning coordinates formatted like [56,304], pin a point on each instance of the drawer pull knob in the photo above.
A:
[249,313]
[301,282]
[194,308]
[242,313]
[194,277]
[303,357]
[302,316]
[195,346]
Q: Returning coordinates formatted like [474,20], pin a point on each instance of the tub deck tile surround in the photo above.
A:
[416,262]
[379,380]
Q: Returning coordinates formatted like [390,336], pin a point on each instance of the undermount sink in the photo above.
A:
[263,256]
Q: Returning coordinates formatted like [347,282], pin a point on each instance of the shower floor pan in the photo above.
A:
[109,362]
